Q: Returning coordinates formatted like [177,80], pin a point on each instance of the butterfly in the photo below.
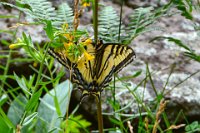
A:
[92,76]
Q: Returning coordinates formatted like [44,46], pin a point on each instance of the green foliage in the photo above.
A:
[53,107]
[17,109]
[42,11]
[193,127]
[64,15]
[109,24]
[189,52]
[4,126]
[140,21]
[76,124]
[185,6]
[47,114]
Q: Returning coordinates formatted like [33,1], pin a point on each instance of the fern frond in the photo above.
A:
[64,15]
[109,25]
[185,6]
[139,20]
[40,9]
[142,19]
[27,9]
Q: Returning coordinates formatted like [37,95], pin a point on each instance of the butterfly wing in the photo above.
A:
[111,58]
[60,57]
[84,69]
[93,75]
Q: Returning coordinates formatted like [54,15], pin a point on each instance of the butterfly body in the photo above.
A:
[94,75]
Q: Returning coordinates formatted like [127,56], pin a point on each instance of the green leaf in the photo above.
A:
[189,53]
[4,128]
[191,128]
[183,7]
[29,119]
[33,101]
[17,109]
[49,30]
[64,15]
[193,56]
[21,83]
[48,115]
[109,25]
[75,124]
[171,39]
[3,99]
[6,120]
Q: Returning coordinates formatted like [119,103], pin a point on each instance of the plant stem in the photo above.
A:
[76,15]
[95,20]
[99,114]
[120,21]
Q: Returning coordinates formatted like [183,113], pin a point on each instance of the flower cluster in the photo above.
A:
[74,47]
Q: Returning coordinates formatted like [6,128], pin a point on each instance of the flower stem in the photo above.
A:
[95,19]
[99,114]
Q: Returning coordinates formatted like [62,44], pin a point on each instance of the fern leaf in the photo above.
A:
[185,6]
[64,15]
[109,25]
[142,19]
[41,9]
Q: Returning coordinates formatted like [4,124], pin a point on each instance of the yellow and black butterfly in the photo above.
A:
[94,75]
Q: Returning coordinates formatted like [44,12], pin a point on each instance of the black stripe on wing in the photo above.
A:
[129,58]
[60,58]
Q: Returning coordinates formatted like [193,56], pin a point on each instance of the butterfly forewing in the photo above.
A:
[122,57]
[112,58]
[60,57]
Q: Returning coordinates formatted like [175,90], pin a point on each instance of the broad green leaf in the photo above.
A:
[17,109]
[48,114]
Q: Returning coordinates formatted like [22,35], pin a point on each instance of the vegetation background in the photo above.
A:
[158,92]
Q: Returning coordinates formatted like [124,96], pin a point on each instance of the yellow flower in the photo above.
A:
[88,41]
[15,45]
[88,56]
[69,37]
[85,4]
[67,45]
